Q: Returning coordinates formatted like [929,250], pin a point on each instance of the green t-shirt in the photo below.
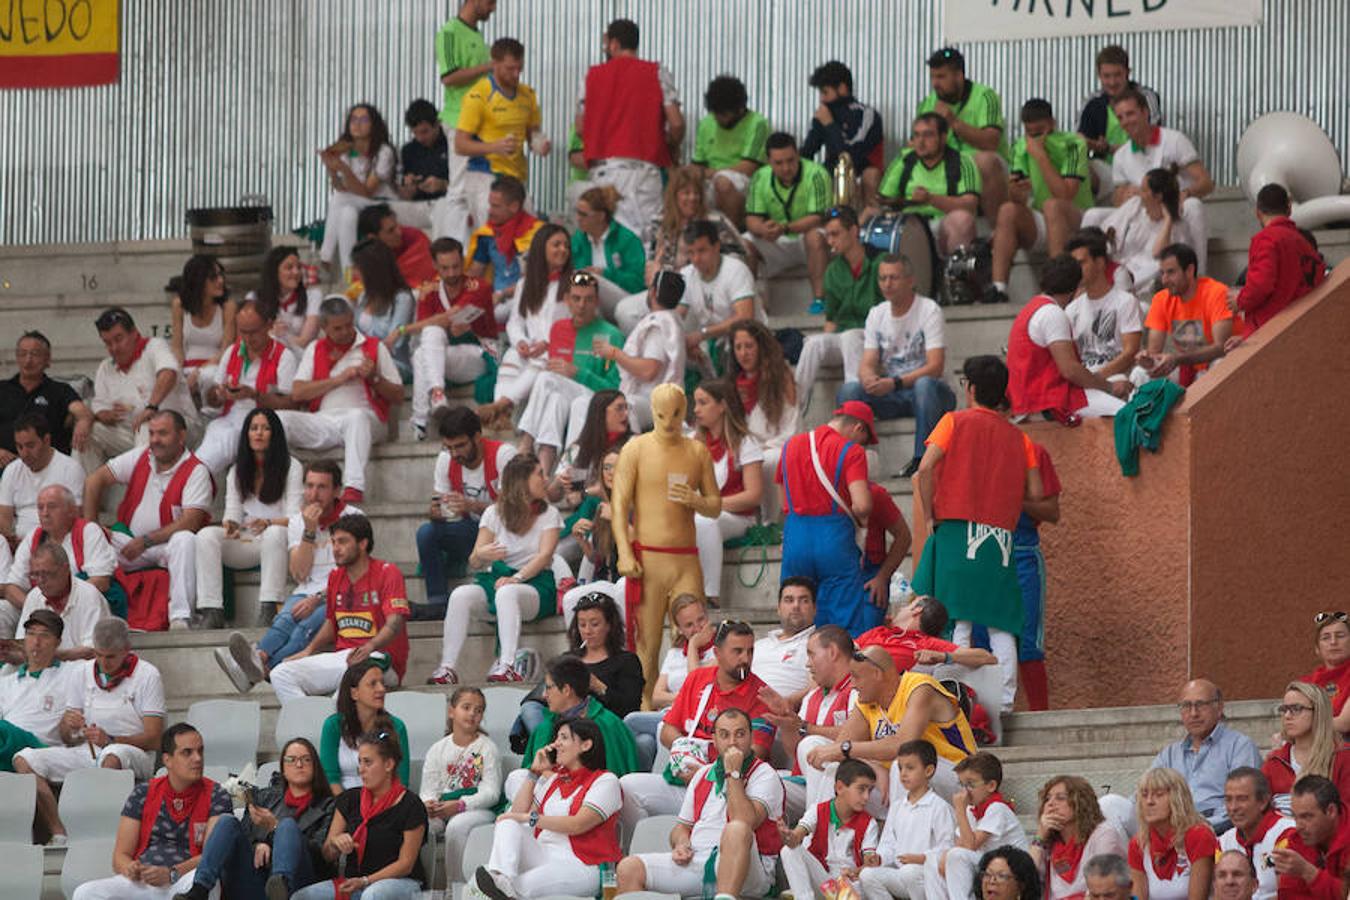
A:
[592,371]
[1115,135]
[575,173]
[934,180]
[848,300]
[811,195]
[721,148]
[458,46]
[1068,154]
[981,108]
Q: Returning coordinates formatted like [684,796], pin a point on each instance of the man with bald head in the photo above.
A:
[1234,876]
[1208,752]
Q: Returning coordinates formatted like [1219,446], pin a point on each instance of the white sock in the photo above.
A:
[1001,286]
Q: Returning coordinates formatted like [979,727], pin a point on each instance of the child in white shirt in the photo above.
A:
[461,777]
[984,820]
[834,838]
[918,825]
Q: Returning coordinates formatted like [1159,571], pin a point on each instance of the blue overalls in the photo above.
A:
[825,549]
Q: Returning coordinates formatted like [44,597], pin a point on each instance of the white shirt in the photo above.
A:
[37,704]
[198,490]
[323,552]
[450,767]
[676,666]
[1267,879]
[750,454]
[710,302]
[658,335]
[352,394]
[1134,235]
[293,319]
[1173,149]
[99,558]
[244,511]
[85,608]
[928,823]
[1049,324]
[839,844]
[19,487]
[603,796]
[216,375]
[822,716]
[520,548]
[475,480]
[902,342]
[782,663]
[1000,823]
[132,387]
[773,435]
[535,327]
[764,786]
[1100,324]
[117,711]
[203,341]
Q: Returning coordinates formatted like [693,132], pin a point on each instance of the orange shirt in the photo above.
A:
[1190,322]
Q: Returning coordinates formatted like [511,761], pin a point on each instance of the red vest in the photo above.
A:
[173,494]
[625,112]
[601,843]
[820,838]
[1035,383]
[982,476]
[456,473]
[767,839]
[267,372]
[76,544]
[323,364]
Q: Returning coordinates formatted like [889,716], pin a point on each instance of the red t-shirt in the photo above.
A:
[1199,843]
[884,515]
[809,497]
[358,611]
[902,644]
[745,696]
[472,292]
[1335,681]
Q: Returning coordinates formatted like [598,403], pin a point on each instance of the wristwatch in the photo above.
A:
[148,541]
[846,748]
[734,774]
[173,875]
[534,818]
[803,730]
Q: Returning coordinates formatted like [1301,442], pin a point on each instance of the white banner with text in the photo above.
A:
[1011,20]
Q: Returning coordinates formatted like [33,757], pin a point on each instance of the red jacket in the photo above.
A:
[1281,775]
[1331,868]
[1281,267]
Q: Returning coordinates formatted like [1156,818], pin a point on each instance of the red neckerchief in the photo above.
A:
[193,803]
[135,357]
[748,387]
[292,299]
[1162,851]
[1267,822]
[108,681]
[370,809]
[717,447]
[857,270]
[506,233]
[298,805]
[568,782]
[1065,857]
[613,437]
[555,276]
[327,520]
[979,809]
[820,838]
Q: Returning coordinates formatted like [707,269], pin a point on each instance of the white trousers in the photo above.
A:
[709,535]
[1100,404]
[214,551]
[776,257]
[414,213]
[515,604]
[611,295]
[959,883]
[450,214]
[828,348]
[646,794]
[354,430]
[55,763]
[516,377]
[551,406]
[534,869]
[179,556]
[316,676]
[629,311]
[456,837]
[884,882]
[119,887]
[220,443]
[771,504]
[640,193]
[339,230]
[1003,645]
[665,877]
[804,872]
[612,589]
[436,361]
[477,186]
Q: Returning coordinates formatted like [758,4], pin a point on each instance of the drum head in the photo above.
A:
[915,242]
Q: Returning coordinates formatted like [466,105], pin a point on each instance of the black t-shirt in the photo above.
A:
[622,675]
[52,399]
[384,837]
[433,161]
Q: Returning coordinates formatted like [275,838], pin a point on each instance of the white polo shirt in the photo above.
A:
[781,663]
[198,491]
[84,609]
[351,395]
[764,785]
[19,487]
[323,552]
[117,711]
[1167,148]
[36,704]
[132,387]
[928,823]
[99,558]
[659,335]
[1000,823]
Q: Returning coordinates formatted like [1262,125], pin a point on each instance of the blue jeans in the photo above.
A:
[646,726]
[285,636]
[385,889]
[530,717]
[228,854]
[927,401]
[442,546]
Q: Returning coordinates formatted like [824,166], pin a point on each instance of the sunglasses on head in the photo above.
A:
[1324,617]
[584,279]
[111,319]
[594,600]
[859,656]
[729,626]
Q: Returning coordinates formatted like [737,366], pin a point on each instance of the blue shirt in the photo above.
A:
[1206,769]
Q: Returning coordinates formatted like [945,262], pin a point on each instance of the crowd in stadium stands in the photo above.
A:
[844,743]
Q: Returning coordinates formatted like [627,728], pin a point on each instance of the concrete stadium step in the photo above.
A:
[1113,725]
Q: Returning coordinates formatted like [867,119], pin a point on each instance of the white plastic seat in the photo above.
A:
[302,717]
[652,835]
[423,714]
[20,800]
[23,869]
[230,731]
[503,705]
[85,861]
[92,800]
[477,849]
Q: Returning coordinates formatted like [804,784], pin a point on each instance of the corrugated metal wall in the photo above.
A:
[227,98]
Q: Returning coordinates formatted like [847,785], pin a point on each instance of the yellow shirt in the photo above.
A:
[489,115]
[952,739]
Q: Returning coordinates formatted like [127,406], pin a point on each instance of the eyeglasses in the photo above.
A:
[963,381]
[1291,709]
[1324,617]
[298,760]
[584,279]
[1188,706]
[996,877]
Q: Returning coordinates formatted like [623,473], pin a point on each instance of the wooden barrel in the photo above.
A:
[238,236]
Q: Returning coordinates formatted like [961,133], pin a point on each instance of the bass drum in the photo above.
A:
[909,235]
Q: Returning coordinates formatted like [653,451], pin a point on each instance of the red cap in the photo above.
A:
[856,409]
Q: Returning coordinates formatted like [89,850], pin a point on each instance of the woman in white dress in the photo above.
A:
[1139,229]
[284,294]
[768,394]
[738,465]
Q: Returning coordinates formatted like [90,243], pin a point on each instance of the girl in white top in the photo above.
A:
[533,308]
[284,294]
[1139,229]
[691,648]
[737,463]
[361,171]
[513,556]
[462,777]
[263,490]
[768,394]
[553,839]
[203,316]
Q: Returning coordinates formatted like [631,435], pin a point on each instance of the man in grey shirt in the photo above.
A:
[1208,752]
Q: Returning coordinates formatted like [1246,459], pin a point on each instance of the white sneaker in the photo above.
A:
[179,625]
[501,672]
[527,663]
[58,840]
[494,884]
[232,670]
[443,675]
[247,658]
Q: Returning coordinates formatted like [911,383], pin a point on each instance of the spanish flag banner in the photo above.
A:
[58,43]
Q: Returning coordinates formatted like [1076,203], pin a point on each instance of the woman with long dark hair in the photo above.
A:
[539,301]
[591,528]
[513,556]
[385,306]
[263,490]
[1139,229]
[607,427]
[202,315]
[360,168]
[768,394]
[360,709]
[738,464]
[293,305]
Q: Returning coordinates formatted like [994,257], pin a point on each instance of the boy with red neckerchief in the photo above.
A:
[843,837]
[164,826]
[984,820]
